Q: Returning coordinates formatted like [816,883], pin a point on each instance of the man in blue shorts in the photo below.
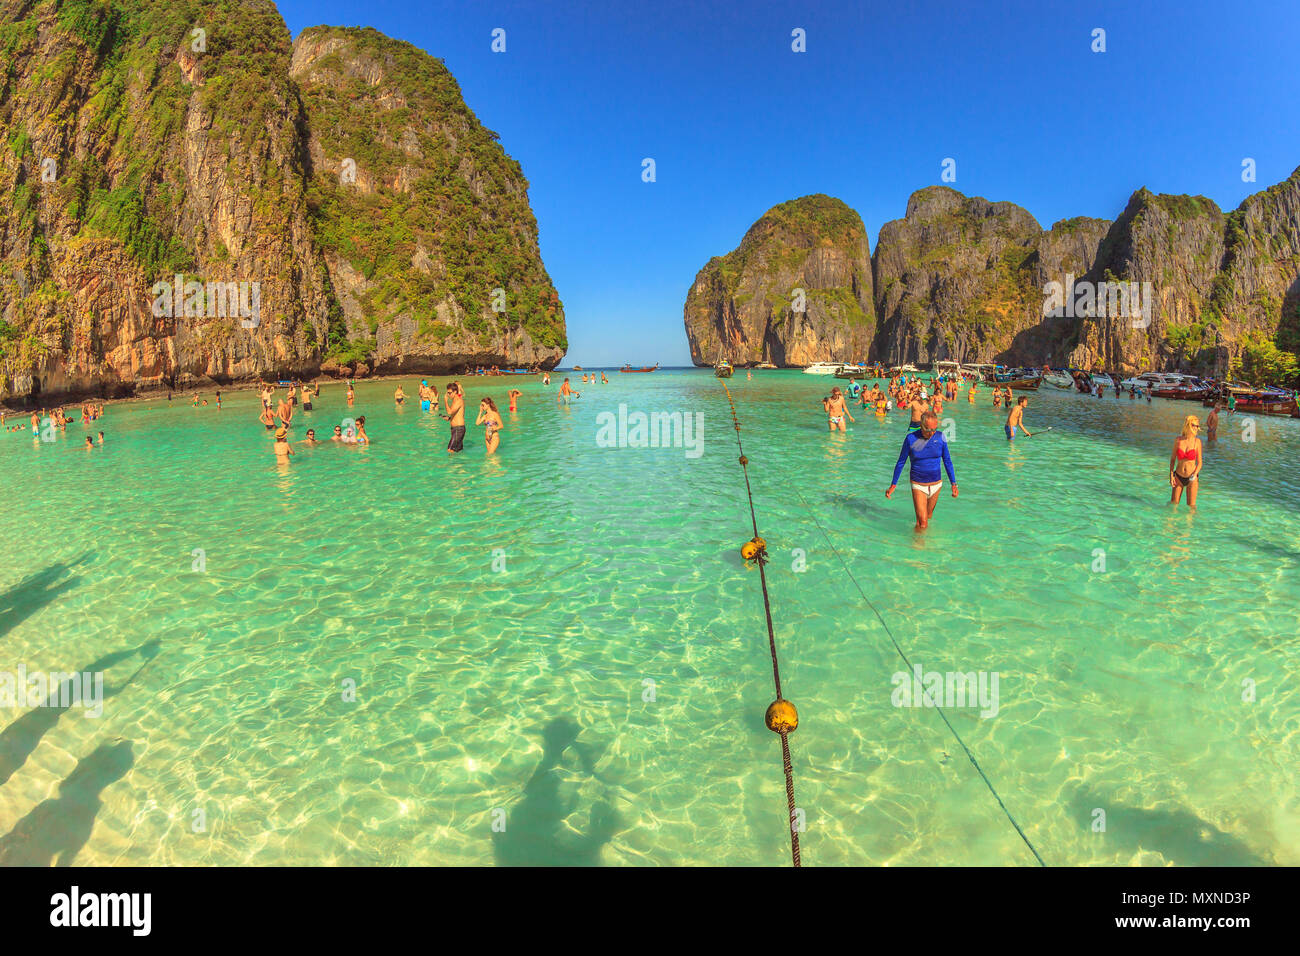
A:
[927,448]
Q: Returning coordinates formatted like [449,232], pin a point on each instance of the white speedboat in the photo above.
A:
[823,368]
[1152,380]
[1058,379]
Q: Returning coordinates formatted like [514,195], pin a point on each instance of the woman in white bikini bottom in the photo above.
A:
[929,490]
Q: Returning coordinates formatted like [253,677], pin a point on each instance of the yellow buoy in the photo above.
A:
[760,543]
[749,551]
[781,717]
[744,460]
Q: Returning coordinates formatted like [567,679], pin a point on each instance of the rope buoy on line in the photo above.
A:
[781,717]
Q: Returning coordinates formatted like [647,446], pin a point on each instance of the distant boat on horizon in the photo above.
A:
[628,368]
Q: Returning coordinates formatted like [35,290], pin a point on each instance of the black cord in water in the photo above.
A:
[970,756]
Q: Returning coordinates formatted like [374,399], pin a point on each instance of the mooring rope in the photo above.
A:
[781,717]
[970,756]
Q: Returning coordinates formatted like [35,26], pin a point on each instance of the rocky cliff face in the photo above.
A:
[966,279]
[797,290]
[145,140]
[423,219]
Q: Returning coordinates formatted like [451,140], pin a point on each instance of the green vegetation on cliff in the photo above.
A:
[443,216]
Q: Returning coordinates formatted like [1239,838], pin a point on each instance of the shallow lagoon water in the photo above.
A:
[565,638]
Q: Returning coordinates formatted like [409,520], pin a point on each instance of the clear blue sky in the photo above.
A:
[736,122]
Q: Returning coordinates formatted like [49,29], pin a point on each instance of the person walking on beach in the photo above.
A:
[1017,420]
[926,449]
[837,410]
[1185,462]
[490,418]
[455,416]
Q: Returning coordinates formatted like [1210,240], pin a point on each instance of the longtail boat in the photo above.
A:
[723,369]
[629,368]
[1264,401]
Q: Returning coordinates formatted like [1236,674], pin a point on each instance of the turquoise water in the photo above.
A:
[501,618]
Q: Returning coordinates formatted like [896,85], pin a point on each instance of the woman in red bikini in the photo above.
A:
[1185,463]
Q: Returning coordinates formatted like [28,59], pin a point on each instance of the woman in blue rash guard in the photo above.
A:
[926,448]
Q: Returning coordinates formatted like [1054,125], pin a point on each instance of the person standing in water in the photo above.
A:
[917,409]
[837,410]
[455,416]
[1185,462]
[565,391]
[1212,423]
[282,449]
[1017,420]
[926,448]
[351,394]
[399,397]
[514,394]
[490,418]
[309,393]
[285,412]
[266,418]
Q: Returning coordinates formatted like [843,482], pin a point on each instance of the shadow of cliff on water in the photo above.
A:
[535,833]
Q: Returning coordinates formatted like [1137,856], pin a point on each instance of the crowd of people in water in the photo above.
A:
[46,421]
[922,399]
[927,448]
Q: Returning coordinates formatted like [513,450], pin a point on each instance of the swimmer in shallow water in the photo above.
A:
[513,395]
[837,410]
[282,449]
[490,418]
[927,449]
[1185,463]
[1017,420]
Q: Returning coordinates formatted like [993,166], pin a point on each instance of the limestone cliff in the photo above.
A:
[148,139]
[797,290]
[967,279]
[421,215]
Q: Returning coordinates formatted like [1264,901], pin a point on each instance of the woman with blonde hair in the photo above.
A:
[1185,462]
